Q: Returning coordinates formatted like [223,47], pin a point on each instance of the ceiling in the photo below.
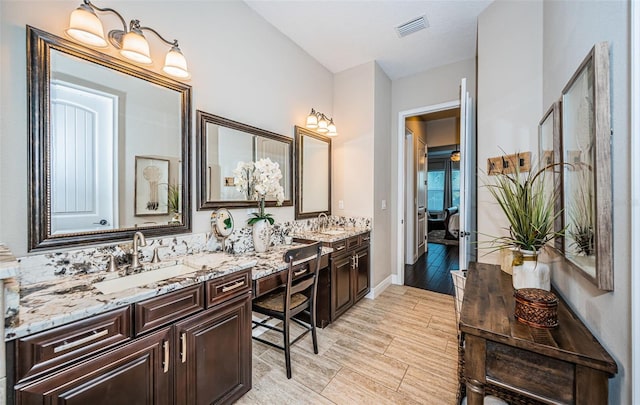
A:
[341,34]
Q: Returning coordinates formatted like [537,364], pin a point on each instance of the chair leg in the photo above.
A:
[314,336]
[287,347]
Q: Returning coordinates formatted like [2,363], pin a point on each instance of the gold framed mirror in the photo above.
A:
[313,173]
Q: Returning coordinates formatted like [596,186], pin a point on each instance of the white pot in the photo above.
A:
[261,236]
[529,272]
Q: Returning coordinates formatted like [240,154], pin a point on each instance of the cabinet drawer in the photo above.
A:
[353,242]
[155,312]
[339,246]
[365,239]
[47,350]
[228,286]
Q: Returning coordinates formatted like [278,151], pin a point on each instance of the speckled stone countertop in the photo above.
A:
[345,232]
[54,303]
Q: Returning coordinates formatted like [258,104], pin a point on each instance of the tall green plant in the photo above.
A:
[528,206]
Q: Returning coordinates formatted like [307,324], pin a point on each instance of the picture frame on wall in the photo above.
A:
[151,186]
[586,174]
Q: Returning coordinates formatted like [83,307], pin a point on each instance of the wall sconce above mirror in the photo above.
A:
[86,27]
[224,143]
[320,123]
[108,147]
[313,174]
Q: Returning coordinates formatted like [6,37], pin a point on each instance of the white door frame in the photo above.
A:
[402,115]
[635,201]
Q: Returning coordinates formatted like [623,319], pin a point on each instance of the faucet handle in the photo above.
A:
[156,258]
[111,267]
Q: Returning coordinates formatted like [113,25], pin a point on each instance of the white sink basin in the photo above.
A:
[333,232]
[141,279]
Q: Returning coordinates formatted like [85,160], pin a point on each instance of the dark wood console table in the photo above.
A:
[565,365]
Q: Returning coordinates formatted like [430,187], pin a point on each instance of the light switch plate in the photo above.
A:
[384,204]
[341,204]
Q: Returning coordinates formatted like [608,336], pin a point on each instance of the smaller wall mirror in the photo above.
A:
[587,182]
[313,173]
[549,155]
[222,144]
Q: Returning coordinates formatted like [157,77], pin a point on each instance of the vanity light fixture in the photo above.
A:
[318,121]
[86,27]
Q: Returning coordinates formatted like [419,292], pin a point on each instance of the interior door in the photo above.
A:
[83,123]
[465,176]
[421,186]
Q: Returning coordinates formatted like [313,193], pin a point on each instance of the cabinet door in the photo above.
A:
[362,272]
[213,360]
[341,284]
[136,373]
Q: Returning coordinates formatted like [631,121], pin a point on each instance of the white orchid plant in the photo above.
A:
[257,180]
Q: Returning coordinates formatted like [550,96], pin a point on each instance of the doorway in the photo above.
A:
[466,217]
[432,184]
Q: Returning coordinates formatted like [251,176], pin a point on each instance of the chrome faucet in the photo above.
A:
[322,225]
[135,261]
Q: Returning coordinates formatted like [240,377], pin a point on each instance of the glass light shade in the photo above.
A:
[455,156]
[323,124]
[136,48]
[312,120]
[175,64]
[331,128]
[85,26]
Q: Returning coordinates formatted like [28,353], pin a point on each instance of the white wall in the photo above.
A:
[509,98]
[381,257]
[570,31]
[353,150]
[242,68]
[424,89]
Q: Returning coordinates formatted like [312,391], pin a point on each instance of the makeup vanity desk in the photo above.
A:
[522,364]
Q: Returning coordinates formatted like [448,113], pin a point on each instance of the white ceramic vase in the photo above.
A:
[261,236]
[529,272]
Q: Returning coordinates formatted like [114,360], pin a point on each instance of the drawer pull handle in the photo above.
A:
[341,247]
[183,340]
[235,286]
[297,273]
[165,362]
[86,339]
[367,238]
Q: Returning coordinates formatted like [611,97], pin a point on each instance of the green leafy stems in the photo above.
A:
[529,208]
[260,215]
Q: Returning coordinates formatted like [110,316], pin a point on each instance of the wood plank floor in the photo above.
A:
[400,348]
[431,271]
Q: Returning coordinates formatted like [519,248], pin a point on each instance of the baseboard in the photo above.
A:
[377,290]
[395,279]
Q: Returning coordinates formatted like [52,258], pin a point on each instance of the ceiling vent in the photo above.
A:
[412,26]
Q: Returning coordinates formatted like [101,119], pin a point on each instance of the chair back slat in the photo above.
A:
[304,252]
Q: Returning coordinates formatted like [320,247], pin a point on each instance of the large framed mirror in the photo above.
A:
[109,147]
[222,144]
[587,182]
[313,173]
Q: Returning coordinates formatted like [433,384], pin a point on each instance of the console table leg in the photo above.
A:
[475,392]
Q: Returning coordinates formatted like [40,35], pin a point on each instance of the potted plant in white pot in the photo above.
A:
[258,180]
[529,207]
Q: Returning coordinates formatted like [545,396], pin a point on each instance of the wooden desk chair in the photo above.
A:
[297,296]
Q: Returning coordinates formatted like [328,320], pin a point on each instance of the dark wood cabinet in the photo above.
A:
[138,372]
[220,337]
[362,272]
[342,297]
[183,353]
[349,273]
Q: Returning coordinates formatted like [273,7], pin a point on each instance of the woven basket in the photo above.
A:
[537,308]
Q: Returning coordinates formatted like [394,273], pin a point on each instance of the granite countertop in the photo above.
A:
[345,232]
[8,264]
[54,303]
